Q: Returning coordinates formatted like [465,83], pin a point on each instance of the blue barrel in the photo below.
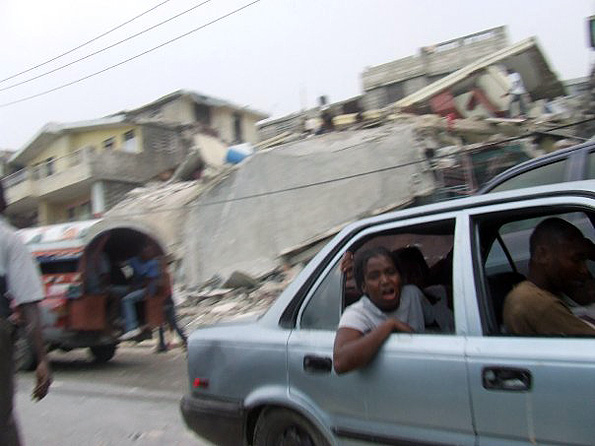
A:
[237,153]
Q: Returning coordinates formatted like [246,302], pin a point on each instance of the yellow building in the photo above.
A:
[79,170]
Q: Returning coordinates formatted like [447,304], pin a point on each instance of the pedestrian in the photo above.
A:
[20,290]
[169,312]
[516,92]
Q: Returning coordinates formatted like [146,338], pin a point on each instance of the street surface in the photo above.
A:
[131,400]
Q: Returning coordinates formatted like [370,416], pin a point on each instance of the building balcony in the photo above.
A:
[67,178]
[56,180]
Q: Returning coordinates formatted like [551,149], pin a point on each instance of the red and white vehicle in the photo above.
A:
[72,317]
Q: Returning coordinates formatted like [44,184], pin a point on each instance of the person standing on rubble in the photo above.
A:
[21,289]
[516,92]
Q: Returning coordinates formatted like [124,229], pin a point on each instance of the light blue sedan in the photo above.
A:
[271,381]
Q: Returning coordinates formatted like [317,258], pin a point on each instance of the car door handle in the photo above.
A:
[509,379]
[318,364]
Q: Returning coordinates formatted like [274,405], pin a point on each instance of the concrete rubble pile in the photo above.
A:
[211,304]
[253,216]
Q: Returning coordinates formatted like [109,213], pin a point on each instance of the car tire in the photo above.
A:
[25,358]
[278,426]
[103,353]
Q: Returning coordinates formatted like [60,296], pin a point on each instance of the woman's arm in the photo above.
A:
[353,349]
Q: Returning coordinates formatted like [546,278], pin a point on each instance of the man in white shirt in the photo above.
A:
[21,289]
[516,92]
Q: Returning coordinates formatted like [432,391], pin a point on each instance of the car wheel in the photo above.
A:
[103,353]
[282,427]
[24,353]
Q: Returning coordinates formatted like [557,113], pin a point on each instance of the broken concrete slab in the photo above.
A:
[280,198]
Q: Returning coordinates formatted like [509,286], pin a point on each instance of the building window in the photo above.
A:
[78,212]
[130,142]
[237,128]
[35,173]
[109,144]
[85,211]
[202,114]
[49,167]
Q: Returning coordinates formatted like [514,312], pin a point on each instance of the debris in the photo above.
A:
[239,279]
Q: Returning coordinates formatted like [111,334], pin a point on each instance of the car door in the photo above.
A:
[415,390]
[525,390]
[312,382]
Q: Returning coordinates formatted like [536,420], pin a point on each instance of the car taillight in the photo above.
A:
[200,382]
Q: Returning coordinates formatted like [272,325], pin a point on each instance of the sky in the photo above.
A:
[276,56]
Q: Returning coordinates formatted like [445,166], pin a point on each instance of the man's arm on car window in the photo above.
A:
[353,349]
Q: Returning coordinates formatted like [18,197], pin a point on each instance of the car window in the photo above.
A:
[548,174]
[323,310]
[515,239]
[423,254]
[507,258]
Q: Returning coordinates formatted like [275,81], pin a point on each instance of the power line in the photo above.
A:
[105,48]
[85,43]
[60,87]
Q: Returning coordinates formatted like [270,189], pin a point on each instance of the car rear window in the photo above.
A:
[539,176]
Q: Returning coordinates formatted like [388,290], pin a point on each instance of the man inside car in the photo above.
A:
[559,254]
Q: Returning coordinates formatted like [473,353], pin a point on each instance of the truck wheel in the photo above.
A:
[103,353]
[277,426]
[24,353]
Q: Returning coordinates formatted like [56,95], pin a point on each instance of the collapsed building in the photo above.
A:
[443,139]
[278,203]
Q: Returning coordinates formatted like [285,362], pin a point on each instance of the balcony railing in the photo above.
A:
[48,168]
[15,178]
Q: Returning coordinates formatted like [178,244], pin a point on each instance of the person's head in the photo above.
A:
[147,251]
[413,266]
[377,275]
[559,254]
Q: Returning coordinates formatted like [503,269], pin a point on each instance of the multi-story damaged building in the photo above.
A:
[232,124]
[389,82]
[79,170]
[75,171]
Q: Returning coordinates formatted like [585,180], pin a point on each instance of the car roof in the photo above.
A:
[534,163]
[583,187]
